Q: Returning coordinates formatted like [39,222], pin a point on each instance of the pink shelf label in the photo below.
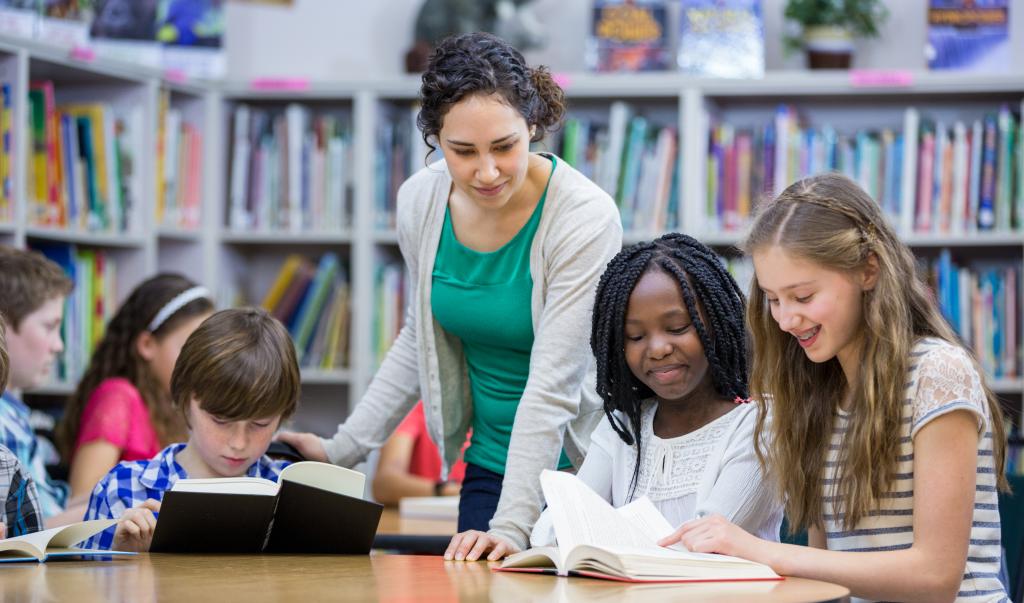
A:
[177,76]
[881,78]
[292,84]
[83,53]
[562,79]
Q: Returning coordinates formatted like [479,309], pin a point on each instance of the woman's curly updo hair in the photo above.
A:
[482,63]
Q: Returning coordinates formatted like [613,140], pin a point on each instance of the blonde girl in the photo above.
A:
[886,443]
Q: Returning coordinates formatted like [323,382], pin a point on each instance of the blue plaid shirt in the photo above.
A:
[17,435]
[130,483]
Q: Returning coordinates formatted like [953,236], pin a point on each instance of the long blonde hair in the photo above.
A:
[829,220]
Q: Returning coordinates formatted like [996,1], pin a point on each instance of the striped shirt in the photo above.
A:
[130,483]
[942,379]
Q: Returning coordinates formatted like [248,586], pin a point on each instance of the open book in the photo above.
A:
[56,542]
[599,541]
[313,508]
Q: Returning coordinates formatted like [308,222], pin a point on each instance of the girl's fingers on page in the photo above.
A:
[3,530]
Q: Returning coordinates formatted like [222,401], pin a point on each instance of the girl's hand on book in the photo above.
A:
[714,534]
[135,528]
[3,530]
[308,444]
[472,544]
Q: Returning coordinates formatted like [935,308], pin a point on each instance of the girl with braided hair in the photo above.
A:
[671,351]
[887,443]
[121,409]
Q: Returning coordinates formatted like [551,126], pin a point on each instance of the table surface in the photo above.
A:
[376,577]
[384,578]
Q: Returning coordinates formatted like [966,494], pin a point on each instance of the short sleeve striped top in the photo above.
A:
[942,379]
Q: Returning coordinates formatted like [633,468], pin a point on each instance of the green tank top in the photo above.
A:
[484,298]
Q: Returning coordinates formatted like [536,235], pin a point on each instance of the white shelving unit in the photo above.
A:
[246,262]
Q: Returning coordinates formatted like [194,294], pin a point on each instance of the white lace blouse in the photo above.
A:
[713,470]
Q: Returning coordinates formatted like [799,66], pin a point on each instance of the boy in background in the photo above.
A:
[32,304]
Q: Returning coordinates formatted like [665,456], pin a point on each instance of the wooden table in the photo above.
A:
[384,578]
[377,577]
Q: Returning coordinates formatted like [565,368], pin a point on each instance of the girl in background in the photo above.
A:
[121,410]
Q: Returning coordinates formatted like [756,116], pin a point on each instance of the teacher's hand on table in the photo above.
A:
[472,544]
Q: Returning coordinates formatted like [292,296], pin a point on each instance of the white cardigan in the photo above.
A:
[578,234]
[711,470]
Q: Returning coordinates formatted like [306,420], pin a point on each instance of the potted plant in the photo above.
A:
[828,28]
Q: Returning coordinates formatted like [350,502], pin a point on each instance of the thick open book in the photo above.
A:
[56,542]
[313,508]
[599,541]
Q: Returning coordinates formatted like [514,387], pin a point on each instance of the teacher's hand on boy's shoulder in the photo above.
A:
[135,527]
[472,544]
[308,444]
[715,534]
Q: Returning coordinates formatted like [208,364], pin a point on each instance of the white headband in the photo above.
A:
[177,303]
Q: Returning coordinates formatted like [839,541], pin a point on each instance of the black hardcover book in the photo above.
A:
[315,508]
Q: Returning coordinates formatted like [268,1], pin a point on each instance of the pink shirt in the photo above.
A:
[116,413]
[426,460]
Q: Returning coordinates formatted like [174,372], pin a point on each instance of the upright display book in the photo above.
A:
[721,38]
[598,541]
[56,543]
[969,35]
[628,35]
[314,508]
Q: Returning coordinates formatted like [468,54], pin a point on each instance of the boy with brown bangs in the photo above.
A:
[32,308]
[235,381]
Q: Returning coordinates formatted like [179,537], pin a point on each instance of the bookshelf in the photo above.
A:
[240,261]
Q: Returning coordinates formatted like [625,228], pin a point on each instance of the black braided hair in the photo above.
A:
[707,289]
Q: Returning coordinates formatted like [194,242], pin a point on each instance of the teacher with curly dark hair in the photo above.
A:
[505,248]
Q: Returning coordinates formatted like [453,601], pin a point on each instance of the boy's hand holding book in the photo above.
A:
[136,526]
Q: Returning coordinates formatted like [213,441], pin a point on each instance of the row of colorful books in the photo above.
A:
[6,154]
[80,172]
[632,158]
[931,177]
[88,308]
[389,299]
[1014,449]
[982,303]
[179,159]
[401,152]
[313,302]
[289,170]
